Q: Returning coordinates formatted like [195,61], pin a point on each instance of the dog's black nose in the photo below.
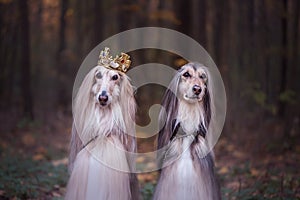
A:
[196,89]
[103,98]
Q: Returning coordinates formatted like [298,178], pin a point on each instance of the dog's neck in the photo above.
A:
[190,115]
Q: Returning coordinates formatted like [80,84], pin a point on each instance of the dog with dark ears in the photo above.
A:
[185,120]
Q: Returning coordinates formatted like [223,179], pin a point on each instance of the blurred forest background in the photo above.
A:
[254,43]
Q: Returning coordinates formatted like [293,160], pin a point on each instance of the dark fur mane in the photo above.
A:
[199,179]
[207,108]
[170,104]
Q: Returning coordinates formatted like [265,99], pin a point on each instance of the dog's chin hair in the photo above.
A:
[101,121]
[189,113]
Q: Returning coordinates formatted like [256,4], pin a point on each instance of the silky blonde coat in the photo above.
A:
[103,138]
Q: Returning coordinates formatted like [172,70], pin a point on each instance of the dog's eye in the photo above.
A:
[115,77]
[186,74]
[203,76]
[99,75]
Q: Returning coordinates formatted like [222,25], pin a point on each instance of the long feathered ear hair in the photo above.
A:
[128,106]
[83,103]
[210,109]
[168,112]
[210,125]
[81,106]
[206,98]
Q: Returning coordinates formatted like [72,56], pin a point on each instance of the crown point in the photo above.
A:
[120,63]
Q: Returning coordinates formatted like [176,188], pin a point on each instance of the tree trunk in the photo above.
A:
[79,15]
[284,60]
[98,22]
[62,99]
[8,52]
[25,59]
[184,16]
[62,27]
[295,47]
[198,21]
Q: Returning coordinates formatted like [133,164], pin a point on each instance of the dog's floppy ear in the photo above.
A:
[83,100]
[168,113]
[128,106]
[80,111]
[208,101]
[207,108]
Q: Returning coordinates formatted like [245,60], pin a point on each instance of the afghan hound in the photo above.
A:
[103,134]
[187,163]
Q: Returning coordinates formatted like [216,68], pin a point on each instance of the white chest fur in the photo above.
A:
[186,175]
[189,116]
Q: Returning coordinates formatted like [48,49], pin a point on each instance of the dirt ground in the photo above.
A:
[250,163]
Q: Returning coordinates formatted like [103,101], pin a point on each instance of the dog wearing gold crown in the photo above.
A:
[103,134]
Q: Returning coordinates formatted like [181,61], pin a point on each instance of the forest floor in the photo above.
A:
[251,163]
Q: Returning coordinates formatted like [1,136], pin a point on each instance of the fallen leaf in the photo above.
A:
[38,157]
[56,186]
[41,150]
[254,172]
[233,184]
[141,177]
[239,154]
[63,161]
[148,177]
[28,139]
[3,144]
[280,158]
[151,165]
[55,194]
[230,147]
[140,159]
[224,170]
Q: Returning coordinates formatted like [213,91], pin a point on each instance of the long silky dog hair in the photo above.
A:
[185,120]
[103,136]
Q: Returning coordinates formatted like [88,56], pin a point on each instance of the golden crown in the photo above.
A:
[120,63]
